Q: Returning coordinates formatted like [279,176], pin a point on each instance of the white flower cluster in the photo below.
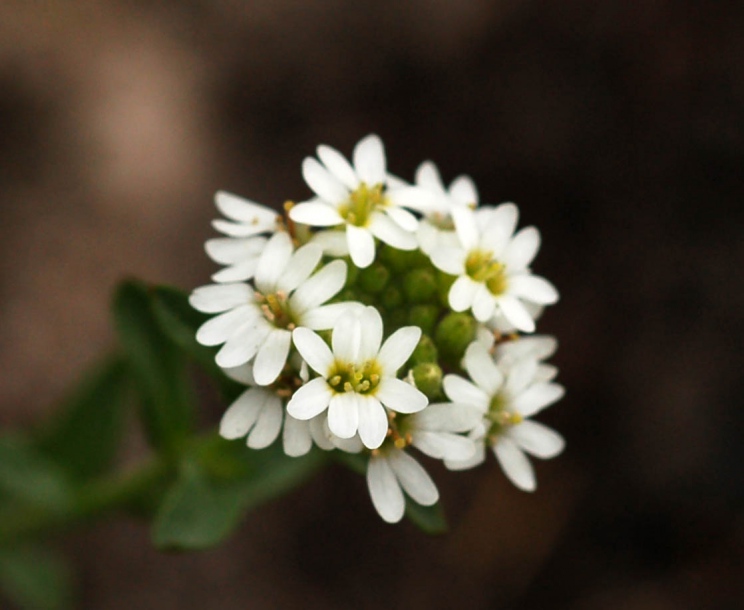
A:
[344,343]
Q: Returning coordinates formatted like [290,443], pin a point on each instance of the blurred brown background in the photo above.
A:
[618,127]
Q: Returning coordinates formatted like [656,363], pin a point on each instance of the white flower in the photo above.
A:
[258,323]
[492,266]
[436,228]
[506,401]
[392,471]
[242,249]
[362,197]
[358,378]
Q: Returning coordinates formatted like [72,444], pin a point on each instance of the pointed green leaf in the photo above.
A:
[158,367]
[179,321]
[84,434]
[218,486]
[29,478]
[35,579]
[429,519]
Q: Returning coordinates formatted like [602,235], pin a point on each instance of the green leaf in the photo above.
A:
[429,519]
[217,486]
[179,321]
[158,367]
[27,477]
[84,435]
[36,579]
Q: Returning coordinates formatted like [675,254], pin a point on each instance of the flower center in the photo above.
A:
[350,377]
[361,203]
[275,309]
[480,266]
[441,221]
[500,417]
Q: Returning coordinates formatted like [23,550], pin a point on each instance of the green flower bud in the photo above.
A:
[420,285]
[425,351]
[453,335]
[352,272]
[391,298]
[444,283]
[401,261]
[428,379]
[374,278]
[424,316]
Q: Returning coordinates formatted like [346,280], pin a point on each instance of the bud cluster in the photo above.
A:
[379,317]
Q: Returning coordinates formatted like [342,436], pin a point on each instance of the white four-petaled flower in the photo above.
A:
[506,401]
[258,322]
[358,378]
[362,197]
[492,266]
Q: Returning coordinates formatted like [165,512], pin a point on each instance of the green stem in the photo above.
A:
[92,501]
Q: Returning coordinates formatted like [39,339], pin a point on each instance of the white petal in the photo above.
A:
[478,458]
[325,185]
[462,391]
[384,490]
[245,211]
[273,262]
[347,338]
[444,445]
[325,317]
[497,233]
[243,344]
[373,422]
[398,348]
[338,166]
[403,218]
[537,440]
[484,304]
[242,414]
[237,230]
[229,250]
[448,417]
[310,399]
[520,375]
[482,369]
[400,396]
[361,246]
[321,434]
[343,415]
[462,293]
[313,350]
[466,227]
[242,374]
[299,267]
[420,199]
[449,259]
[427,175]
[414,480]
[390,232]
[369,160]
[269,424]
[315,214]
[515,464]
[463,191]
[533,288]
[538,396]
[323,285]
[522,249]
[296,437]
[428,239]
[333,241]
[516,313]
[216,298]
[371,334]
[236,273]
[272,356]
[220,328]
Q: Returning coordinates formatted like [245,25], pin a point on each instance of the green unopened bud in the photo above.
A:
[401,261]
[453,335]
[420,285]
[428,379]
[425,351]
[352,272]
[374,278]
[424,316]
[444,283]
[391,298]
